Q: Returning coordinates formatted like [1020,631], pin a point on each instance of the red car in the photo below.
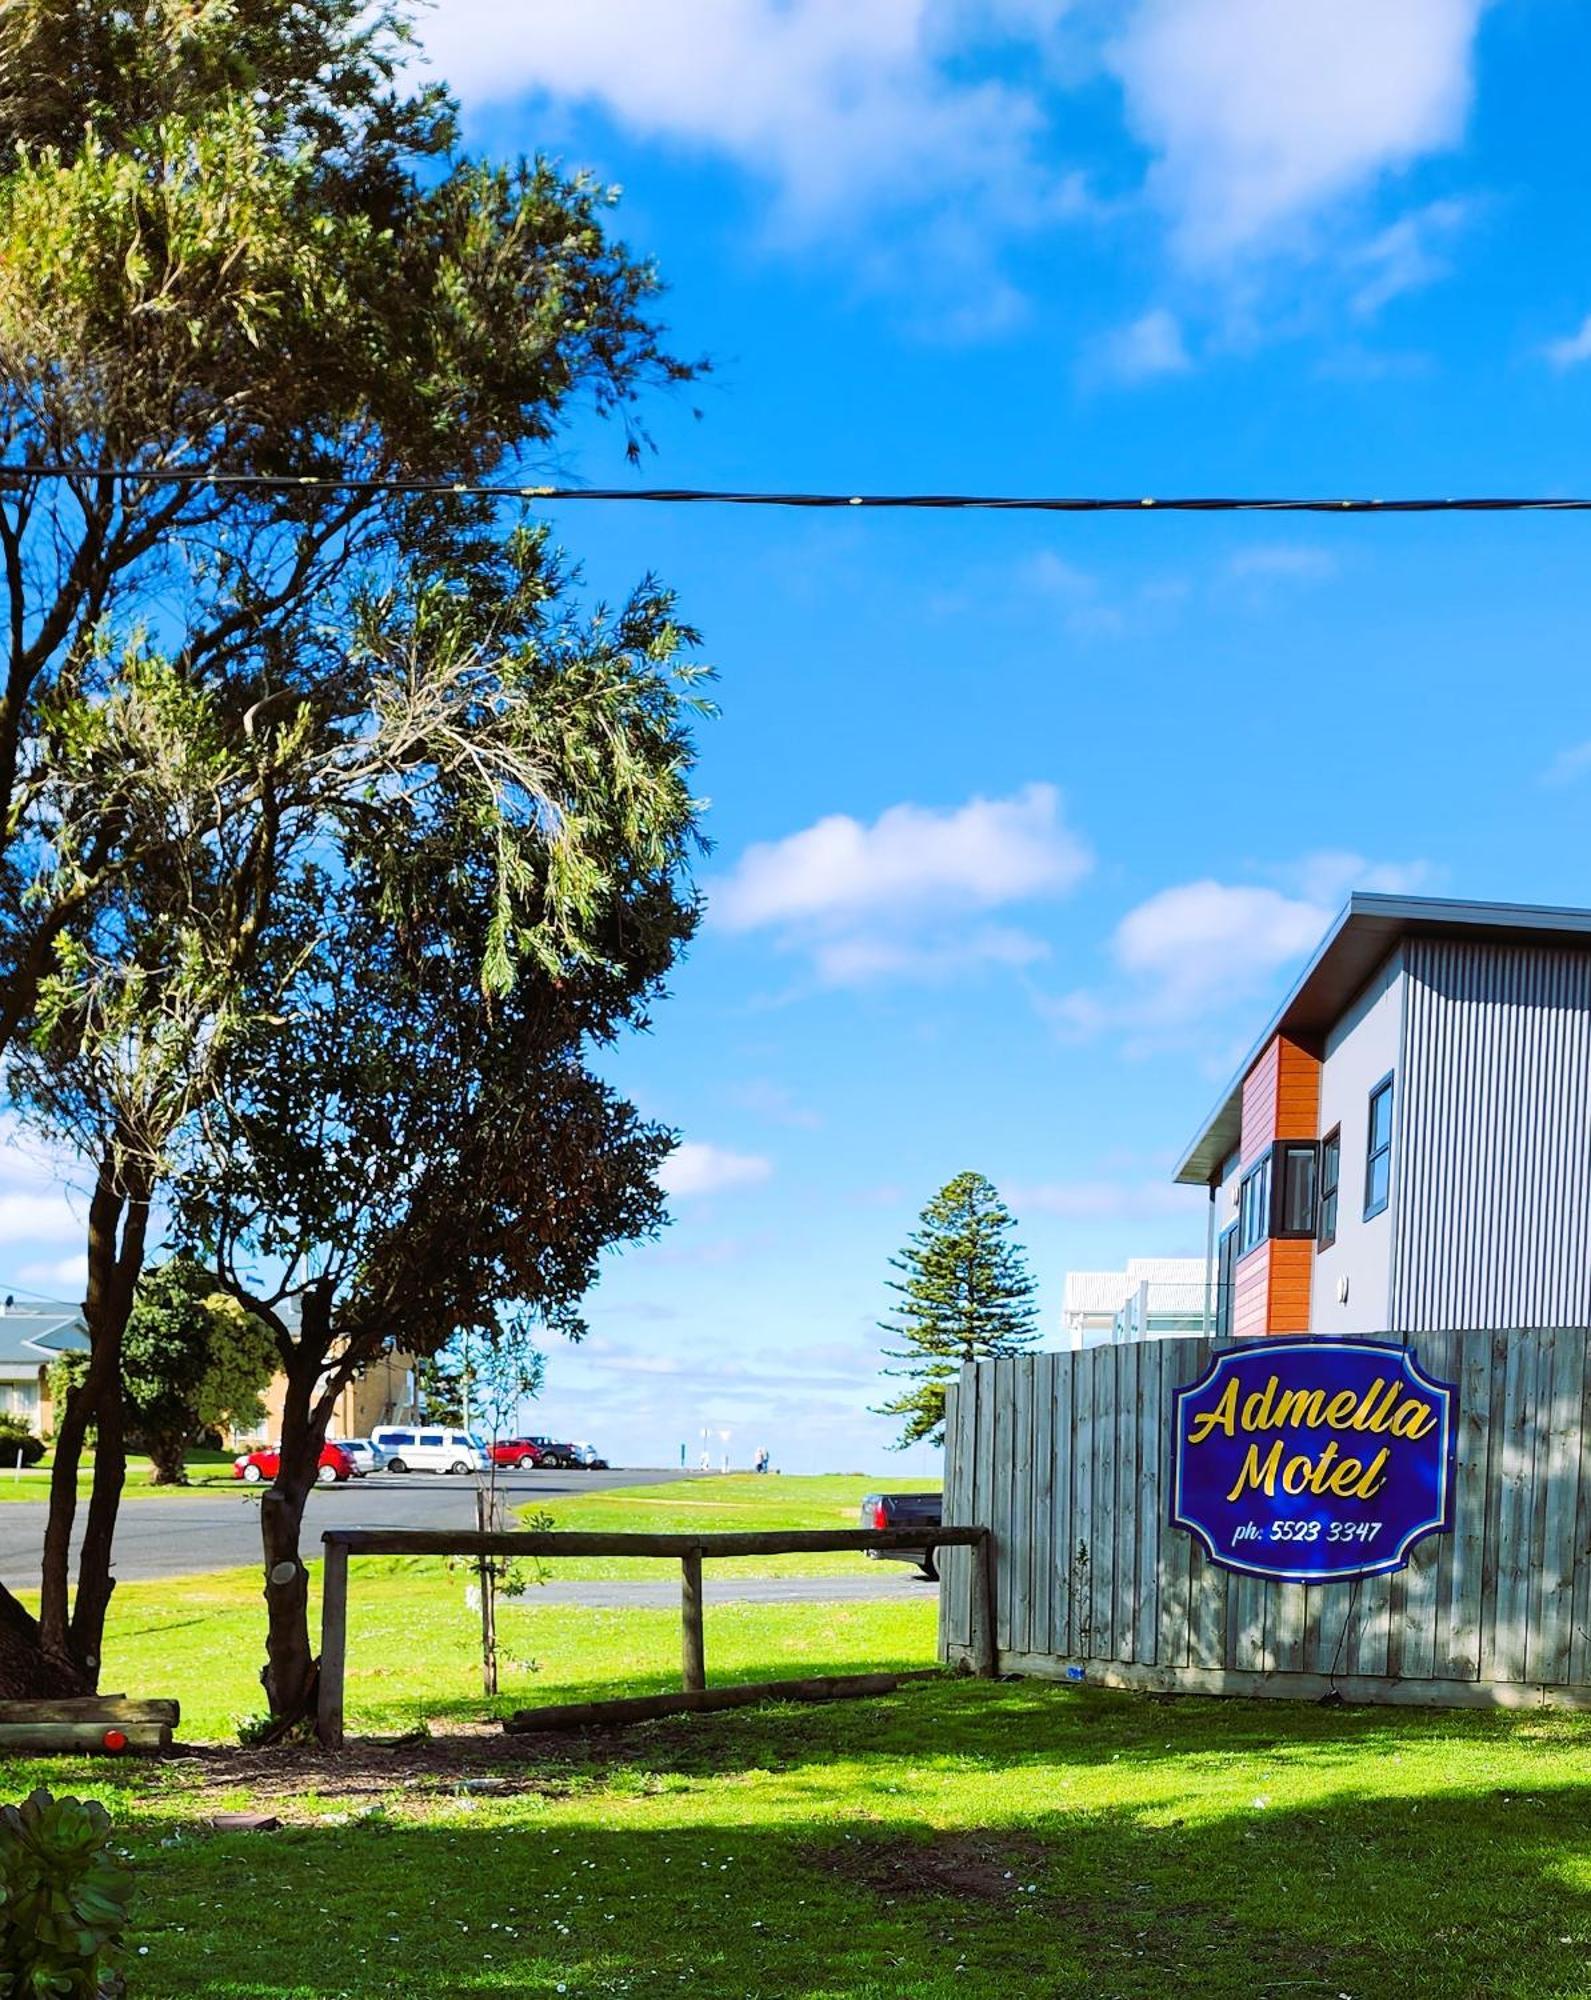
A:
[516,1452]
[255,1466]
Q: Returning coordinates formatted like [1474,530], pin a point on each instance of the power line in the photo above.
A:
[676,496]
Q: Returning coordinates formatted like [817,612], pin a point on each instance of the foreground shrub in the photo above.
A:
[14,1437]
[65,1900]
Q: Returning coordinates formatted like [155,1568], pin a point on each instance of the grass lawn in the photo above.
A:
[955,1839]
[735,1500]
[205,1468]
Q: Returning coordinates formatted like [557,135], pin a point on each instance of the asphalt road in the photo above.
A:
[178,1534]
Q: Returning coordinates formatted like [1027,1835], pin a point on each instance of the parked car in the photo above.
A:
[516,1452]
[905,1510]
[253,1467]
[366,1454]
[587,1458]
[429,1448]
[558,1453]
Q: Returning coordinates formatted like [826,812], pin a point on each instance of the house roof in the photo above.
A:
[1365,932]
[40,1332]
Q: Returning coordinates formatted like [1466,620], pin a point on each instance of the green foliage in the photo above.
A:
[193,1361]
[66,1898]
[15,1437]
[967,1296]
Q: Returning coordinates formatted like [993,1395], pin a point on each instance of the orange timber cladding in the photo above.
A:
[1281,1100]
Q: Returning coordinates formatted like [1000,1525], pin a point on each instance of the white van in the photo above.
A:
[417,1448]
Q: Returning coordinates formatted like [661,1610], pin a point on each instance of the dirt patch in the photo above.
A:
[986,1868]
[466,1761]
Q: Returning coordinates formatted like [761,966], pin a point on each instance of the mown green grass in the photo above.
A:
[713,1502]
[955,1839]
[205,1468]
[414,1645]
[1153,1849]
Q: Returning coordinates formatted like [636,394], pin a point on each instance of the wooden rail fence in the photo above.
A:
[688,1550]
[1067,1458]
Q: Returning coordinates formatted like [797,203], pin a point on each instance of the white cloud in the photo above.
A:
[1573,348]
[1202,943]
[1142,351]
[1568,766]
[1191,950]
[696,1168]
[66,1277]
[1407,254]
[1329,875]
[987,852]
[1102,1200]
[34,1217]
[1291,561]
[894,897]
[841,106]
[1264,113]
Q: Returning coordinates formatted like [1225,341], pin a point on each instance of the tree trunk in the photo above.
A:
[168,1455]
[291,1671]
[117,1222]
[27,1672]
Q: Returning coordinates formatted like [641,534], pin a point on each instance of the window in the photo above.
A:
[431,1437]
[1225,1260]
[1295,1189]
[397,1437]
[1330,1178]
[1378,1149]
[1254,1208]
[1277,1197]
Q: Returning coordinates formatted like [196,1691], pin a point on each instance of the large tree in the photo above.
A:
[966,1295]
[239,236]
[409,1142]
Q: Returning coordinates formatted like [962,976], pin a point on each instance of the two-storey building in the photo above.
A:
[1408,1145]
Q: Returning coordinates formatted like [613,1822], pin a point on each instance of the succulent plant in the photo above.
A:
[65,1900]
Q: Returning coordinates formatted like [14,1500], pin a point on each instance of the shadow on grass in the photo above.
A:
[1426,1897]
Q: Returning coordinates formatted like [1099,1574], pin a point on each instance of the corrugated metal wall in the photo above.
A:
[1492,1196]
[1066,1457]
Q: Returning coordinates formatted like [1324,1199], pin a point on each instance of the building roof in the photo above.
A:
[1366,931]
[39,1332]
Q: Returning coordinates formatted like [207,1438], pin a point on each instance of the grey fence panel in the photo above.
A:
[1067,1458]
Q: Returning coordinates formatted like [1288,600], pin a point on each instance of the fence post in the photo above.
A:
[333,1645]
[985,1659]
[694,1652]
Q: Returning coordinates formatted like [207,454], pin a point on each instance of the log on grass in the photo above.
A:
[696,1701]
[104,1737]
[106,1708]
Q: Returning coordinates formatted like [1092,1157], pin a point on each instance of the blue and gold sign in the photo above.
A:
[1313,1460]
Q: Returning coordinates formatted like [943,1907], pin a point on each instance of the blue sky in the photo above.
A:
[1021,824]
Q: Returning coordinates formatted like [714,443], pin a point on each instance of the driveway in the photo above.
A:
[219,1527]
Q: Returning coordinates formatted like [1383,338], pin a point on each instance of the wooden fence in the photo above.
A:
[1067,1458]
[688,1550]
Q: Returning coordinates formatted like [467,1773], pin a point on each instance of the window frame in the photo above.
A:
[1280,1149]
[1373,1152]
[1326,1236]
[1261,1208]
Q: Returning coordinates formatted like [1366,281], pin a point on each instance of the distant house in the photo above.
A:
[383,1393]
[31,1337]
[1408,1145]
[1155,1298]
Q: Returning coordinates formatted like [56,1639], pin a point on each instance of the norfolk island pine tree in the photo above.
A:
[967,1295]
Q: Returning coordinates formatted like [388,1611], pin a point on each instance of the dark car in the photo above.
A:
[555,1452]
[905,1510]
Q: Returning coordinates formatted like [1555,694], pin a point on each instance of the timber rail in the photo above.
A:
[689,1551]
